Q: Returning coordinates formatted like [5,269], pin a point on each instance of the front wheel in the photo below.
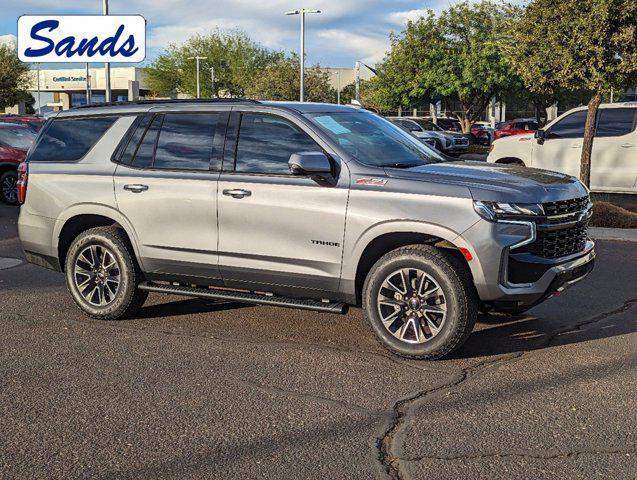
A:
[102,274]
[419,302]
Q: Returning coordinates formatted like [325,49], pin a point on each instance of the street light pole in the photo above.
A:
[107,66]
[302,13]
[88,86]
[197,58]
[39,102]
[338,87]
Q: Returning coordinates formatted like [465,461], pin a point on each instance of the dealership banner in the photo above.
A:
[82,38]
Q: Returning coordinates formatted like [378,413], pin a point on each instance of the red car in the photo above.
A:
[15,140]
[33,122]
[516,127]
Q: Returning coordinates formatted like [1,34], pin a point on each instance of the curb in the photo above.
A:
[621,234]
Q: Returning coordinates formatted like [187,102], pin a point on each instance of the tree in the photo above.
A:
[575,44]
[457,55]
[237,60]
[280,81]
[14,77]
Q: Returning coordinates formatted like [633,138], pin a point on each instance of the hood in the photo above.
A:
[496,182]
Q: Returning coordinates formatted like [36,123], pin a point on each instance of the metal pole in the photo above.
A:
[39,102]
[88,86]
[198,95]
[338,87]
[358,81]
[107,66]
[212,82]
[302,94]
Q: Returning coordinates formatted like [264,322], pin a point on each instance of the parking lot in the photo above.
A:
[199,389]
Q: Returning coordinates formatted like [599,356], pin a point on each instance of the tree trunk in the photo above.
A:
[589,134]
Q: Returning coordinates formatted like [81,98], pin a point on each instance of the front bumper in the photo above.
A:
[534,281]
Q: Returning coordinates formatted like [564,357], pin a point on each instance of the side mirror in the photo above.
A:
[540,135]
[309,163]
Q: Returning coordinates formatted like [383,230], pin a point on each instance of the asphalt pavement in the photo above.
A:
[194,389]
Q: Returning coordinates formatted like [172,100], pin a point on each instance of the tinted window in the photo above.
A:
[144,156]
[266,143]
[614,122]
[16,137]
[571,126]
[67,139]
[140,128]
[186,140]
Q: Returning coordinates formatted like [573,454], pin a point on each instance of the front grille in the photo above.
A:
[557,243]
[565,206]
[461,141]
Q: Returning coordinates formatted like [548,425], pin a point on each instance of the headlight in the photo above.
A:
[495,210]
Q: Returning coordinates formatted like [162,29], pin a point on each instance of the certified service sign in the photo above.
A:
[82,38]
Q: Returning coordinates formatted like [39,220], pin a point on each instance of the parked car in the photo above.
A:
[427,137]
[33,122]
[15,140]
[446,123]
[447,142]
[483,133]
[558,147]
[305,205]
[516,127]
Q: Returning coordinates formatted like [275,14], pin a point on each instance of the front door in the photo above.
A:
[166,186]
[278,231]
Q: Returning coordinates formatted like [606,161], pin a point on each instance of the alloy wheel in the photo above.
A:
[97,275]
[411,305]
[10,189]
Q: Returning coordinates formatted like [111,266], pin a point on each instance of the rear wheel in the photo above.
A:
[102,275]
[419,302]
[9,187]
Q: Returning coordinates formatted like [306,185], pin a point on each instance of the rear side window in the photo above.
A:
[144,156]
[69,139]
[185,141]
[615,122]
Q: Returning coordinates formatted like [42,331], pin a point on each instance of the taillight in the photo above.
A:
[23,178]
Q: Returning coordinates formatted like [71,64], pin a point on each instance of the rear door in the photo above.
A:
[166,186]
[278,231]
[614,158]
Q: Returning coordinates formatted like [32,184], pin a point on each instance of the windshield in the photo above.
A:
[21,138]
[372,140]
[428,125]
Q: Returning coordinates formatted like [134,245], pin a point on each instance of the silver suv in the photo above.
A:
[313,206]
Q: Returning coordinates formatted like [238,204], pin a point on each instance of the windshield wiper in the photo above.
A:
[400,165]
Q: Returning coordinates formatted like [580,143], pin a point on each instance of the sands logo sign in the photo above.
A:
[82,38]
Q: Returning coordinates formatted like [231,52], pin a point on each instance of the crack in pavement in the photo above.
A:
[403,408]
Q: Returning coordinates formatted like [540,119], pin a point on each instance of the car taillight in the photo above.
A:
[23,178]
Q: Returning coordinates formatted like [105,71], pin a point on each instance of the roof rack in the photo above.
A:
[158,101]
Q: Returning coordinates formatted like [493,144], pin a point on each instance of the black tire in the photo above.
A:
[127,298]
[452,278]
[9,180]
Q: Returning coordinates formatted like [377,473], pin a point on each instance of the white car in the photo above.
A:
[558,147]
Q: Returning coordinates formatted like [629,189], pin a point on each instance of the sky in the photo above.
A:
[345,31]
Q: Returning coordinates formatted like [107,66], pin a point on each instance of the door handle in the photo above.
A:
[237,193]
[136,188]
[628,145]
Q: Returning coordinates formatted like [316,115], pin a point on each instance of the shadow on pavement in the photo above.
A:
[186,307]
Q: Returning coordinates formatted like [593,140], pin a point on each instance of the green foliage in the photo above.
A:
[577,45]
[237,60]
[14,77]
[457,55]
[280,81]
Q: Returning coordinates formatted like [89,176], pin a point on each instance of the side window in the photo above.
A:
[140,126]
[615,122]
[266,143]
[144,156]
[186,141]
[69,139]
[571,126]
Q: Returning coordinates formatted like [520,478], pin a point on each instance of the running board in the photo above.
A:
[245,297]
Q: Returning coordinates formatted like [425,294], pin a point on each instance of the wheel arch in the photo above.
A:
[80,218]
